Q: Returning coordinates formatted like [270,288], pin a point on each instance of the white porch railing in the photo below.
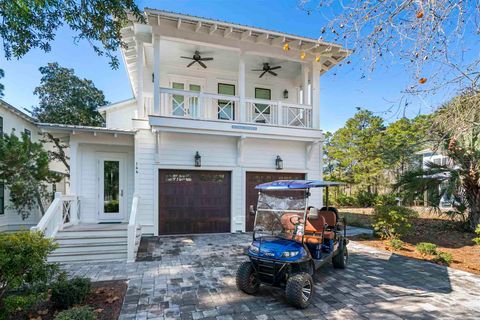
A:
[134,232]
[208,106]
[63,211]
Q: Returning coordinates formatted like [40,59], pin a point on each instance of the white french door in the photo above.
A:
[185,106]
[112,187]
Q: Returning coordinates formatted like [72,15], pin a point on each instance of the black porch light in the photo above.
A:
[198,160]
[279,163]
[285,94]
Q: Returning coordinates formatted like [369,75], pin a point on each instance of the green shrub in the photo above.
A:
[24,271]
[396,243]
[426,248]
[66,293]
[443,257]
[78,313]
[477,239]
[386,200]
[344,200]
[392,221]
[365,199]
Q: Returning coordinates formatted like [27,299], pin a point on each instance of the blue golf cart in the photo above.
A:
[292,239]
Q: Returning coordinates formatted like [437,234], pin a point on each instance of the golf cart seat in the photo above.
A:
[314,228]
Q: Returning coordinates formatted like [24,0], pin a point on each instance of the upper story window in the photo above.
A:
[2,198]
[28,133]
[1,125]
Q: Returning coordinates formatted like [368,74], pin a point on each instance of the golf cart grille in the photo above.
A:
[268,271]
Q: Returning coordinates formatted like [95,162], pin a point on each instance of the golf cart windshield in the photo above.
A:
[280,213]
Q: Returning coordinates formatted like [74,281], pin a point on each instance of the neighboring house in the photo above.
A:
[217,109]
[18,122]
[431,156]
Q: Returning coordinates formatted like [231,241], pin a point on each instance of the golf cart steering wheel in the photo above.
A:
[299,219]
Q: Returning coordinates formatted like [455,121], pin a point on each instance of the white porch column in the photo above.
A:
[156,75]
[315,83]
[305,78]
[241,87]
[74,181]
[139,67]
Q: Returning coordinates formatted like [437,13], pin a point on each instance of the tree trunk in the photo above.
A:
[39,202]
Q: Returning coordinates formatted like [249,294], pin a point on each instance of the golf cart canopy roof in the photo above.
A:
[297,184]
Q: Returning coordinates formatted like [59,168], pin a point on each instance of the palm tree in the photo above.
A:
[456,131]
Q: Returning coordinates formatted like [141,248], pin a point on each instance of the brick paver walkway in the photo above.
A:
[193,277]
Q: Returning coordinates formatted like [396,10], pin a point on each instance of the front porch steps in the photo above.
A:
[91,243]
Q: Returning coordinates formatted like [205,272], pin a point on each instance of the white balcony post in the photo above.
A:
[315,95]
[156,75]
[139,67]
[305,78]
[241,87]
[280,107]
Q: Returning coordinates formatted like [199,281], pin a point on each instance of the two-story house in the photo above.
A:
[217,108]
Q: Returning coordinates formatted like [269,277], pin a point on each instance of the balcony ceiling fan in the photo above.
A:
[267,68]
[197,58]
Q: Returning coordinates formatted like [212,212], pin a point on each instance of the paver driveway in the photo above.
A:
[193,277]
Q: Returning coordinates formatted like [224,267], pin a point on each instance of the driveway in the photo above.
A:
[193,277]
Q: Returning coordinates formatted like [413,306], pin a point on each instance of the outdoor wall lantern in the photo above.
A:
[279,163]
[198,160]
[285,94]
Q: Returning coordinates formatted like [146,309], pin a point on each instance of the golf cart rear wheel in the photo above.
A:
[246,280]
[340,260]
[299,290]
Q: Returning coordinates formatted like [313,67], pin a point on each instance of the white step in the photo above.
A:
[86,241]
[91,233]
[77,248]
[90,257]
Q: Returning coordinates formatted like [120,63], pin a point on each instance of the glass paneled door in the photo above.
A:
[185,105]
[226,108]
[111,172]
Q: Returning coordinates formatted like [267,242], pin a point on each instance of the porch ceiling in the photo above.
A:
[223,60]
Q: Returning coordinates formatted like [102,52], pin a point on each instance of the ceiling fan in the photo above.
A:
[267,68]
[197,58]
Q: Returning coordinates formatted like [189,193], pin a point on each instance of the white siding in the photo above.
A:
[121,117]
[176,151]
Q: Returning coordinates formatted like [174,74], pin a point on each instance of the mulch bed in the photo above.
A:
[106,298]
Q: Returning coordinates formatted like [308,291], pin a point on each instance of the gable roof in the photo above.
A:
[17,112]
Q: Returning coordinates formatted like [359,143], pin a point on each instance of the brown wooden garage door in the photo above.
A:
[255,178]
[194,201]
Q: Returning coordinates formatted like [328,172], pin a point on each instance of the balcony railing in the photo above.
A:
[208,106]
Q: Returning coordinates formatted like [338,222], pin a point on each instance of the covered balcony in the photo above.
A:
[189,68]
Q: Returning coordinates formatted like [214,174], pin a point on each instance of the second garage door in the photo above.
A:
[255,178]
[193,201]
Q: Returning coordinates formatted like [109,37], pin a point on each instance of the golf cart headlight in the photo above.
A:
[253,249]
[289,254]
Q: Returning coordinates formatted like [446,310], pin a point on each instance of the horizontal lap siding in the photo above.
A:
[177,151]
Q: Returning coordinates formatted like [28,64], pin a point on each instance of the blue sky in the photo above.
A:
[342,89]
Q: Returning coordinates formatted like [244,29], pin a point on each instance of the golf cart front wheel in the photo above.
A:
[246,280]
[340,260]
[299,290]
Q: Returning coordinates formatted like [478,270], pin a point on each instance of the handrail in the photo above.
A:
[197,94]
[48,218]
[132,231]
[64,210]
